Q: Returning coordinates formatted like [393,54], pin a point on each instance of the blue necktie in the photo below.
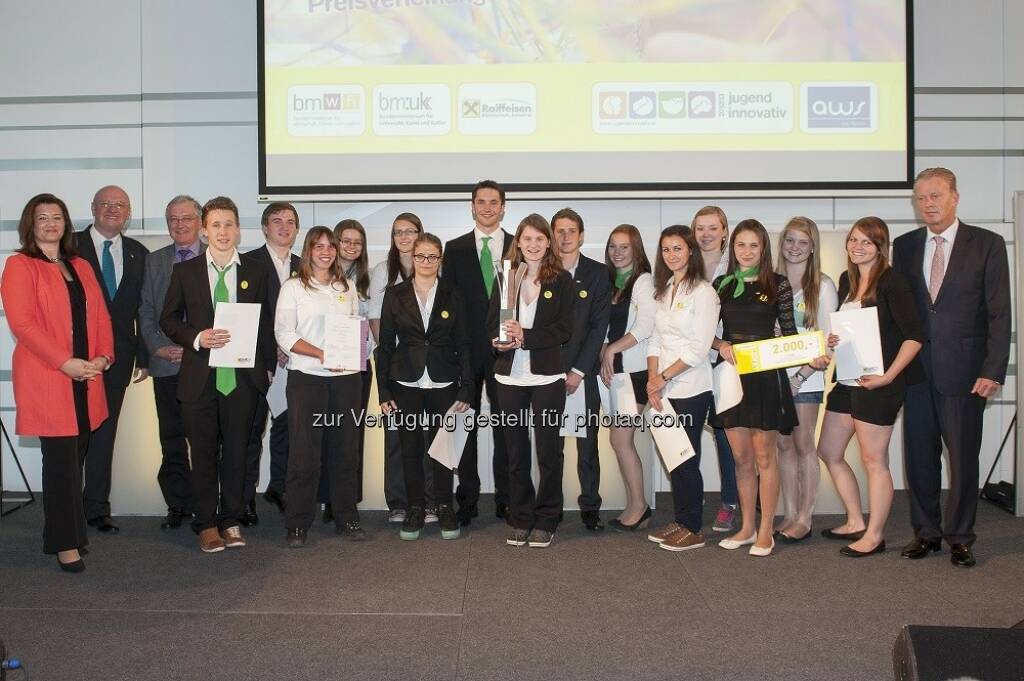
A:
[107,267]
[184,254]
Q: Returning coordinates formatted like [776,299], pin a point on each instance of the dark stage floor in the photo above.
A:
[606,606]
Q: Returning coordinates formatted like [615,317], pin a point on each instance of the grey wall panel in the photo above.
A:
[82,144]
[78,112]
[959,134]
[190,111]
[950,45]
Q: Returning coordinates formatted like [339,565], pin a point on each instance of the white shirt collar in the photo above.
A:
[949,234]
[98,239]
[234,259]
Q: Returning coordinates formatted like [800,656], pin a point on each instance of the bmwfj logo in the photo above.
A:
[839,108]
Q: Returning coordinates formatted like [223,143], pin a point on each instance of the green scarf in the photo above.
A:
[621,278]
[738,276]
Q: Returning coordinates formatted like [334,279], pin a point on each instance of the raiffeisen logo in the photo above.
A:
[839,107]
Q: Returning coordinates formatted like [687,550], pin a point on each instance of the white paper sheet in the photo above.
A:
[447,447]
[345,342]
[670,437]
[859,352]
[276,395]
[574,415]
[619,398]
[242,321]
[726,386]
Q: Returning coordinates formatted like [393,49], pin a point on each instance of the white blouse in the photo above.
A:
[684,327]
[521,374]
[639,324]
[300,316]
[828,301]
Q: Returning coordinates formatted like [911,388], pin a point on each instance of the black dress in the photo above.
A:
[79,347]
[617,319]
[767,402]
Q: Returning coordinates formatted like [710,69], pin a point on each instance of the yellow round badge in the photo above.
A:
[801,307]
[583,293]
[548,294]
[293,274]
[444,314]
[341,298]
[680,305]
[244,284]
[763,298]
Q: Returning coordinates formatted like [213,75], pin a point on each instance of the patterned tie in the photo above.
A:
[938,270]
[107,268]
[487,266]
[225,375]
[184,254]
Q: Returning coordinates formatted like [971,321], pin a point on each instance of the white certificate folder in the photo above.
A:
[242,321]
[345,342]
[859,352]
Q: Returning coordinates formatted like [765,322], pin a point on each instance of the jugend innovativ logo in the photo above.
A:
[839,107]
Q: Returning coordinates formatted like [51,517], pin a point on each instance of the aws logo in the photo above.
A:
[839,108]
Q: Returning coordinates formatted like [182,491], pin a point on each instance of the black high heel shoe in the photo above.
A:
[620,526]
[76,566]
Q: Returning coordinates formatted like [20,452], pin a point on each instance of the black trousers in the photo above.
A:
[175,474]
[217,427]
[686,478]
[321,417]
[325,482]
[63,518]
[468,492]
[278,451]
[929,419]
[100,457]
[415,438]
[588,464]
[542,507]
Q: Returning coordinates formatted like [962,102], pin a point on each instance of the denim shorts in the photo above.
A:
[816,397]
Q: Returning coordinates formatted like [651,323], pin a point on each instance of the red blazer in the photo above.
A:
[38,308]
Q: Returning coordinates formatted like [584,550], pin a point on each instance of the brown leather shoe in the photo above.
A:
[683,541]
[233,538]
[664,533]
[210,541]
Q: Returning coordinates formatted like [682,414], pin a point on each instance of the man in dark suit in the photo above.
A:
[218,404]
[175,474]
[119,262]
[581,353]
[960,279]
[471,264]
[280,227]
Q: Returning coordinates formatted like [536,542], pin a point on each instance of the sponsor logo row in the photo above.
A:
[617,108]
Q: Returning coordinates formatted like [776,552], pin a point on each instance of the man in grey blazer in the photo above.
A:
[175,475]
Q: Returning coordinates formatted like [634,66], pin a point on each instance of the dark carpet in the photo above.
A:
[593,606]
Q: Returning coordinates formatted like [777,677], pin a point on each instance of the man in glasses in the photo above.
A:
[119,262]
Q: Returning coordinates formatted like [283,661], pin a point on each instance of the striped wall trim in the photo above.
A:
[991,90]
[5,374]
[135,97]
[965,119]
[108,163]
[969,153]
[121,126]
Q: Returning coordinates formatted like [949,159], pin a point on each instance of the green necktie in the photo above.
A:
[487,266]
[225,375]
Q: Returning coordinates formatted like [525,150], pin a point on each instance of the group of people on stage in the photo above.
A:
[91,310]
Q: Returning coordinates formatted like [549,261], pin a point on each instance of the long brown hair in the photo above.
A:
[305,273]
[641,265]
[877,231]
[395,271]
[550,264]
[766,284]
[810,282]
[27,224]
[694,264]
[362,264]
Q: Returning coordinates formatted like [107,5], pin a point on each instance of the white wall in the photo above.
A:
[160,98]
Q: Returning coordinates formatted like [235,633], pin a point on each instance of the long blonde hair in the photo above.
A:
[811,281]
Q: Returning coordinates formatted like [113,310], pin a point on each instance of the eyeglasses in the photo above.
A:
[405,232]
[120,205]
[174,219]
[347,243]
[422,258]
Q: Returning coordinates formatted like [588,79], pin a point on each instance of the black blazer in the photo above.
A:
[129,350]
[590,322]
[188,309]
[552,327]
[970,320]
[897,322]
[442,348]
[262,255]
[461,270]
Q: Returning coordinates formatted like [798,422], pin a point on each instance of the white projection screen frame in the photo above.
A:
[419,99]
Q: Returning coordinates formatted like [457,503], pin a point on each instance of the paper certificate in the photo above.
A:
[574,415]
[345,342]
[242,321]
[670,438]
[277,399]
[859,352]
[726,387]
[778,353]
[447,446]
[619,397]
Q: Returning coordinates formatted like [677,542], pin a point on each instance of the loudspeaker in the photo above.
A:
[946,653]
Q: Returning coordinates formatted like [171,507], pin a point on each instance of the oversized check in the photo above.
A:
[778,353]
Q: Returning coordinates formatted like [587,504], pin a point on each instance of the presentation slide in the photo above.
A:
[427,96]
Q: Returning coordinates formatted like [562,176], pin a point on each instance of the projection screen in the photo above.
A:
[424,97]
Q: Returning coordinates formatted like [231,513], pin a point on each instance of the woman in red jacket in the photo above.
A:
[63,344]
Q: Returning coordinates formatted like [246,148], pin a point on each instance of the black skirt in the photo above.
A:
[767,404]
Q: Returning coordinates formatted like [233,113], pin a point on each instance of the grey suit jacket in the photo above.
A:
[154,288]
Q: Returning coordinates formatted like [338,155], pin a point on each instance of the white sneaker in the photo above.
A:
[396,516]
[430,516]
